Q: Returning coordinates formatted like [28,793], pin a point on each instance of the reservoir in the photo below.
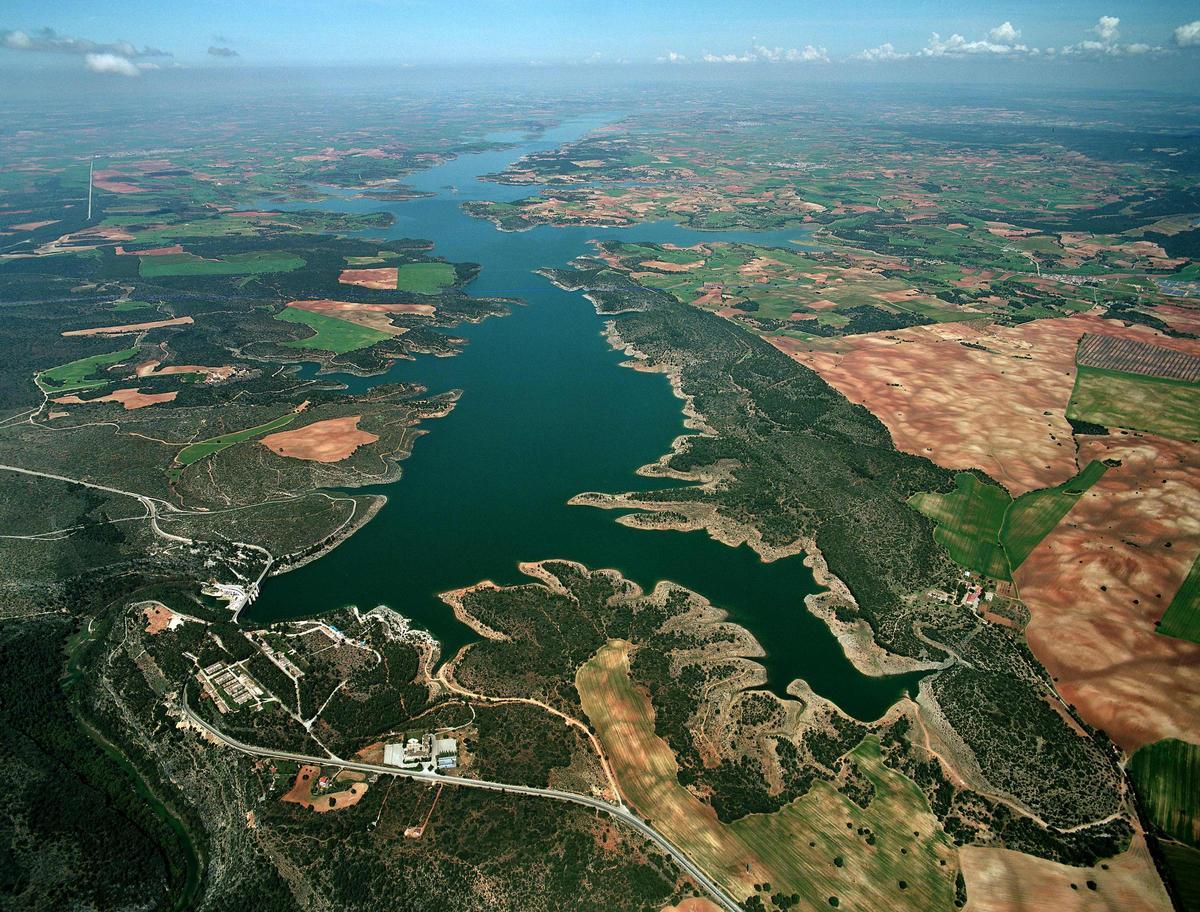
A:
[547,413]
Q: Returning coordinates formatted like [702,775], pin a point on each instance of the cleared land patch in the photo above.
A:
[125,328]
[301,793]
[130,398]
[380,278]
[331,440]
[815,847]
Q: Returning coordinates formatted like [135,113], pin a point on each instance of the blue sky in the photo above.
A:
[830,33]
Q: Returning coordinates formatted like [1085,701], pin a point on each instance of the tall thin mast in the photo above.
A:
[91,166]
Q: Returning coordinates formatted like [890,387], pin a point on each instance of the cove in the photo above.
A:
[546,413]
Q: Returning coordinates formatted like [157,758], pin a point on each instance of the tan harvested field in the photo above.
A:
[381,278]
[130,398]
[984,407]
[1096,585]
[34,226]
[158,618]
[1179,317]
[152,369]
[373,316]
[301,793]
[694,904]
[331,440]
[664,266]
[128,327]
[1001,880]
[794,848]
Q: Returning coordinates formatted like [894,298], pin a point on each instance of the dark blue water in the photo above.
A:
[546,413]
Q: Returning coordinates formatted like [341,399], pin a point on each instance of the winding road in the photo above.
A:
[621,814]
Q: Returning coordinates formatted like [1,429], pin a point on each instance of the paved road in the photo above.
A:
[715,891]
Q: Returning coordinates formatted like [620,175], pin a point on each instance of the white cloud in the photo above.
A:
[762,54]
[1106,28]
[1105,43]
[672,57]
[885,51]
[113,64]
[17,41]
[1188,35]
[958,46]
[1004,33]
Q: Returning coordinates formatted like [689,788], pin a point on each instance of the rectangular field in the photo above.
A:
[425,278]
[1182,618]
[1132,357]
[1166,775]
[332,334]
[1152,404]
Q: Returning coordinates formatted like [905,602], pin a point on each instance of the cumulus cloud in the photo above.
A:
[47,40]
[1188,35]
[672,57]
[215,51]
[1105,44]
[1106,28]
[1004,33]
[1003,41]
[958,46]
[111,64]
[885,51]
[762,54]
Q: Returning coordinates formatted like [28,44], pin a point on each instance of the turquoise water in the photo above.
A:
[546,413]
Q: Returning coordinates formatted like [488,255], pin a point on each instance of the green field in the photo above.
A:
[985,530]
[1114,399]
[1183,870]
[74,375]
[969,520]
[332,334]
[1033,515]
[187,264]
[198,451]
[1166,775]
[123,306]
[1182,618]
[425,278]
